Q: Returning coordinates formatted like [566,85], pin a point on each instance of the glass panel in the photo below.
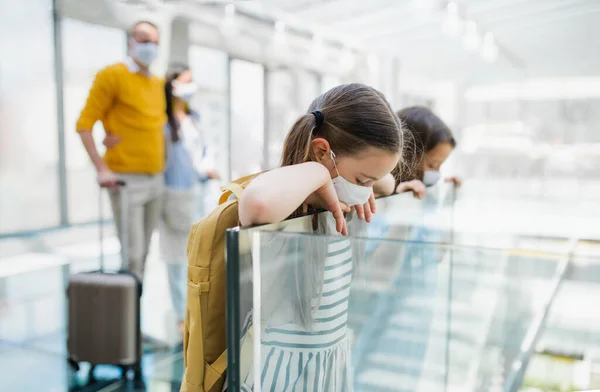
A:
[209,68]
[28,122]
[283,110]
[79,72]
[569,346]
[495,297]
[402,306]
[32,297]
[355,332]
[247,118]
[340,319]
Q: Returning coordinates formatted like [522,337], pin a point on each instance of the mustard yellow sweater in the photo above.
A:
[132,107]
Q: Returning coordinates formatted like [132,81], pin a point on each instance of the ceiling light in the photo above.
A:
[280,36]
[471,40]
[348,60]
[452,22]
[229,26]
[318,49]
[489,50]
[279,26]
[423,8]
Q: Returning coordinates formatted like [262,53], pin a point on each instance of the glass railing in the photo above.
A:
[407,304]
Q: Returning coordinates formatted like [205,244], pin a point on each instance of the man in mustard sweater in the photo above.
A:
[130,102]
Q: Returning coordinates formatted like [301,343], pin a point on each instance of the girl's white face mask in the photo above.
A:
[431,177]
[347,192]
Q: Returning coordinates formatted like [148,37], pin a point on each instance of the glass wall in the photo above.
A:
[282,111]
[309,87]
[289,94]
[110,46]
[247,118]
[209,68]
[539,137]
[329,81]
[28,121]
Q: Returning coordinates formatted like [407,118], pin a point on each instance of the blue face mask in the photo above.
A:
[145,52]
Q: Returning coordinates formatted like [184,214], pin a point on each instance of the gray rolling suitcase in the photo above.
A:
[104,312]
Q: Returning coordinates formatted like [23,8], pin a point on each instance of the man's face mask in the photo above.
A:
[348,192]
[145,52]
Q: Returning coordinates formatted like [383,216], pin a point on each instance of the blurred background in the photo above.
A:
[517,81]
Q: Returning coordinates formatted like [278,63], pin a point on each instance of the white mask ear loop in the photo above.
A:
[332,154]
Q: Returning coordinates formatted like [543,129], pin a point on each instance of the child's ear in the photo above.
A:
[321,150]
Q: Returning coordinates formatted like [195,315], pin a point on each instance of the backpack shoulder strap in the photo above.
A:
[236,187]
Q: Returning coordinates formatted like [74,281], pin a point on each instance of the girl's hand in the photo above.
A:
[327,198]
[456,180]
[416,186]
[367,210]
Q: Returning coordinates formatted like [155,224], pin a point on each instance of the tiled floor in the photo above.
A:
[29,368]
[32,317]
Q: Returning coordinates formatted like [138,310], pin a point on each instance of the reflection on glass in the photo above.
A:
[79,71]
[247,118]
[28,121]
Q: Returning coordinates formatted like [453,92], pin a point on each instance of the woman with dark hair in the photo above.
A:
[187,165]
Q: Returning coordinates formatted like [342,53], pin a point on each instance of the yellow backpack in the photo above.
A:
[204,339]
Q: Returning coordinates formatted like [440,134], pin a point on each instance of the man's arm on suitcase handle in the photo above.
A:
[105,177]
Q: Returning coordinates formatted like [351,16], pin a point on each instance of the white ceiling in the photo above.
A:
[538,38]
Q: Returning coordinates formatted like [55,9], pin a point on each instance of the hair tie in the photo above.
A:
[319,117]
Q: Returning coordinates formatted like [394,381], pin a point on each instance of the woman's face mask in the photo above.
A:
[348,192]
[184,91]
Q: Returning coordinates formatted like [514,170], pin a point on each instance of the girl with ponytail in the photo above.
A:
[348,139]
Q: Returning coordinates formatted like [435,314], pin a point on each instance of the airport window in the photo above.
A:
[28,124]
[209,67]
[247,117]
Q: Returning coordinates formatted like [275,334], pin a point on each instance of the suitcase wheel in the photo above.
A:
[127,370]
[74,365]
[137,375]
[91,376]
